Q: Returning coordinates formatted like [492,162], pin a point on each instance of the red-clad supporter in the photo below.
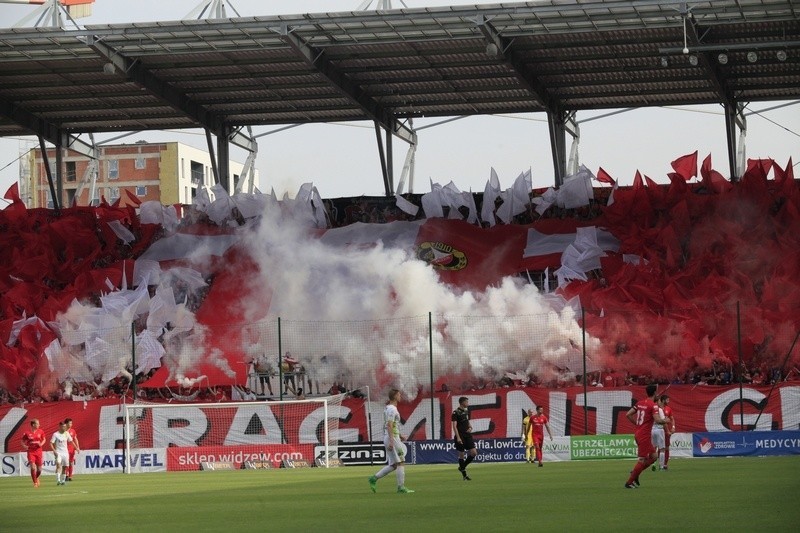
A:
[34,440]
[72,447]
[643,415]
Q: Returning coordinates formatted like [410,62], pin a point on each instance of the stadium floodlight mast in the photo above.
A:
[211,9]
[51,13]
[379,4]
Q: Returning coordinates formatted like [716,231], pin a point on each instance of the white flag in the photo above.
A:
[490,194]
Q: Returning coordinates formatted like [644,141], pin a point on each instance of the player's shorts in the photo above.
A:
[657,438]
[397,454]
[62,459]
[466,444]
[35,458]
[645,446]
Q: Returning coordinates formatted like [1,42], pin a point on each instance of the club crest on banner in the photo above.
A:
[441,256]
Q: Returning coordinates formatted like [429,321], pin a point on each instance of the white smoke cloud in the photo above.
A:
[324,294]
[354,315]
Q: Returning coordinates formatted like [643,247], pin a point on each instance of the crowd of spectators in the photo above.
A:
[342,212]
[120,387]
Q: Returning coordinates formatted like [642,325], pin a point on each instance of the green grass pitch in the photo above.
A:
[745,494]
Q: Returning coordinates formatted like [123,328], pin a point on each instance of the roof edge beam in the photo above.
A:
[138,74]
[48,131]
[318,60]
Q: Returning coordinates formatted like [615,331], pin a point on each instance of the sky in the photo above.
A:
[342,159]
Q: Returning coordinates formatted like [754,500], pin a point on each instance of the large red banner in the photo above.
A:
[495,413]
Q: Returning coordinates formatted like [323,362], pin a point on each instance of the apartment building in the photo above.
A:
[170,173]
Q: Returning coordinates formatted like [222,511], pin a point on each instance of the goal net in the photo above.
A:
[234,435]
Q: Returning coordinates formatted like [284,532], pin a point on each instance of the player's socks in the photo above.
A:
[666,457]
[401,476]
[635,472]
[468,460]
[383,471]
[461,464]
[33,475]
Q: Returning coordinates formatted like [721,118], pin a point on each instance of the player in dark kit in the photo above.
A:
[462,435]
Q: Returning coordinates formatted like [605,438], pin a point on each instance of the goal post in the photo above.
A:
[234,435]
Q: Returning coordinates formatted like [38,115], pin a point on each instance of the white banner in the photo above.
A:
[680,445]
[104,461]
[95,462]
[556,450]
[9,464]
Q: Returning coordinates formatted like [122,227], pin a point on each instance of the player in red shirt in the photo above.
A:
[643,415]
[71,447]
[669,428]
[539,421]
[33,440]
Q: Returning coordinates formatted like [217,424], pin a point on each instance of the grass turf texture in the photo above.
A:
[701,494]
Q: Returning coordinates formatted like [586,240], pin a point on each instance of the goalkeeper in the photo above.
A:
[527,436]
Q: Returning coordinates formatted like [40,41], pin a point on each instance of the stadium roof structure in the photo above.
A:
[553,56]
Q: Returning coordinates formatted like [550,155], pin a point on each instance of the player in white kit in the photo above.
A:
[395,449]
[58,443]
[658,436]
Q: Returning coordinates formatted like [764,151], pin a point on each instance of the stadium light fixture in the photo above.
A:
[664,61]
[693,60]
[752,57]
[781,55]
[722,58]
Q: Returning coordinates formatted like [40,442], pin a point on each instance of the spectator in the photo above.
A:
[264,370]
[288,367]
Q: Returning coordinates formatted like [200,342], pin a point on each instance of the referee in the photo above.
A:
[462,435]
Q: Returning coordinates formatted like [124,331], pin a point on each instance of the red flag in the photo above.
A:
[605,177]
[132,198]
[656,193]
[13,193]
[637,181]
[713,180]
[788,185]
[686,166]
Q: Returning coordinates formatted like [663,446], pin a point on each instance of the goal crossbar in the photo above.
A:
[276,433]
